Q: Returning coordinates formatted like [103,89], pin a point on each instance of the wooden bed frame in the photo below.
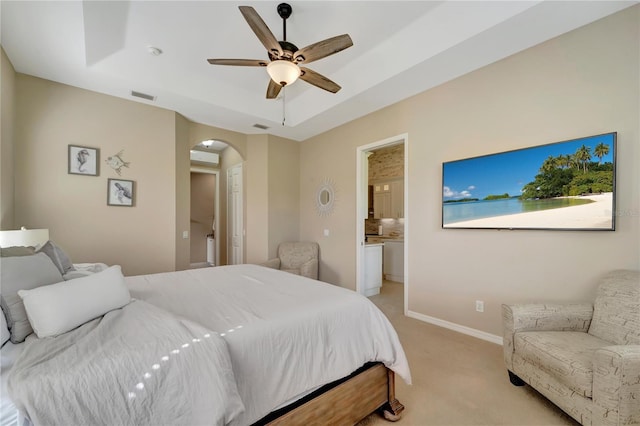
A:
[346,401]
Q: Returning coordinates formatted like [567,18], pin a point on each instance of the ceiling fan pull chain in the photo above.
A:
[284,91]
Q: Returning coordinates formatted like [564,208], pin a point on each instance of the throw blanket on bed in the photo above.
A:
[138,365]
[287,334]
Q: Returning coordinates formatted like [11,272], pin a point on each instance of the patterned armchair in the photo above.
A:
[584,358]
[299,258]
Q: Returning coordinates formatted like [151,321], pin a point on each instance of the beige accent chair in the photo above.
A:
[299,258]
[585,358]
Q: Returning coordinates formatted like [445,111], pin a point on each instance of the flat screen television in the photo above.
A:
[568,185]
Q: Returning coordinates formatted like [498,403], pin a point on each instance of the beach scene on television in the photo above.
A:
[566,185]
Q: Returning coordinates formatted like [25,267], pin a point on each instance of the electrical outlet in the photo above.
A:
[479,306]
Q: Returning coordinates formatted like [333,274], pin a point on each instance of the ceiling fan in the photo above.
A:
[284,57]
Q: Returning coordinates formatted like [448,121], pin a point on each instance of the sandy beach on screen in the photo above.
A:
[592,215]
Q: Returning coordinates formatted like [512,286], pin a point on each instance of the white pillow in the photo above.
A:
[57,308]
[4,330]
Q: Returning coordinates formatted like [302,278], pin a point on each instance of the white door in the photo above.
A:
[235,225]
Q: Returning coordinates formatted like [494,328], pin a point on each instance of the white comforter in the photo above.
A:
[138,365]
[286,334]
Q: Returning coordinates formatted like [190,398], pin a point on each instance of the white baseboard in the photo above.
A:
[394,278]
[456,327]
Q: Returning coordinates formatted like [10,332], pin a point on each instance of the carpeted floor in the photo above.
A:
[457,379]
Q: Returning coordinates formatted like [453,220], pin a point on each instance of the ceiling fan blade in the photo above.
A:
[322,49]
[273,89]
[318,80]
[239,62]
[261,30]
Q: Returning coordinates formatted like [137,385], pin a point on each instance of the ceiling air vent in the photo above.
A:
[143,95]
[260,126]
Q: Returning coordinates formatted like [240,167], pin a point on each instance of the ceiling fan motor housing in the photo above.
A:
[288,49]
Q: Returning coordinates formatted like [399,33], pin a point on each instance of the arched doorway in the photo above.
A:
[210,237]
[204,208]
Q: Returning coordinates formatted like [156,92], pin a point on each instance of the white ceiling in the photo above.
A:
[401,48]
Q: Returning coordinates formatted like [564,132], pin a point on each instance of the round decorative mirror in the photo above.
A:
[325,198]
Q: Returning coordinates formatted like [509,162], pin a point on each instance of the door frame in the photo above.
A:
[238,217]
[216,207]
[362,207]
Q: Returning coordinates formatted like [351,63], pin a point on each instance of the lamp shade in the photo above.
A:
[283,72]
[24,237]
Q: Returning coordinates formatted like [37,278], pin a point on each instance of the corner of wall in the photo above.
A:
[7,108]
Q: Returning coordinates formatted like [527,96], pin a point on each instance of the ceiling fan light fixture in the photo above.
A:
[283,72]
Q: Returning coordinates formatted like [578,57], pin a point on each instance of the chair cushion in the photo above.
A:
[294,254]
[616,311]
[565,355]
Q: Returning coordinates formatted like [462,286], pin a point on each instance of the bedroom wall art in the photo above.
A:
[117,163]
[83,160]
[567,185]
[120,192]
[326,197]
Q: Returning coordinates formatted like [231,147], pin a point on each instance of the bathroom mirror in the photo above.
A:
[325,198]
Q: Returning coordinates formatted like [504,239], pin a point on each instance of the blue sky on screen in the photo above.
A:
[509,172]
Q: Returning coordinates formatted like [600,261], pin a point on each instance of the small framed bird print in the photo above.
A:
[83,160]
[120,192]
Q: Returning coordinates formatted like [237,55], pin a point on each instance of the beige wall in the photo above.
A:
[148,237]
[272,195]
[182,192]
[50,116]
[284,193]
[583,83]
[7,107]
[256,182]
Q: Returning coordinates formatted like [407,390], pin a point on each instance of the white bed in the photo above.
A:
[286,335]
[9,414]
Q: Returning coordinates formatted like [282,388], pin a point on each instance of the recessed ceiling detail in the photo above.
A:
[401,48]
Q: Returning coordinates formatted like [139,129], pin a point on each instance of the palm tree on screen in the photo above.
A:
[583,156]
[600,151]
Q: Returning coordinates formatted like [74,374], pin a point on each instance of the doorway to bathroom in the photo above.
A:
[382,215]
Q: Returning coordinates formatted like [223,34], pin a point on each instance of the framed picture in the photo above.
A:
[83,160]
[120,192]
[569,185]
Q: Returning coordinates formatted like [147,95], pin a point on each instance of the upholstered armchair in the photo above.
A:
[299,258]
[585,358]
